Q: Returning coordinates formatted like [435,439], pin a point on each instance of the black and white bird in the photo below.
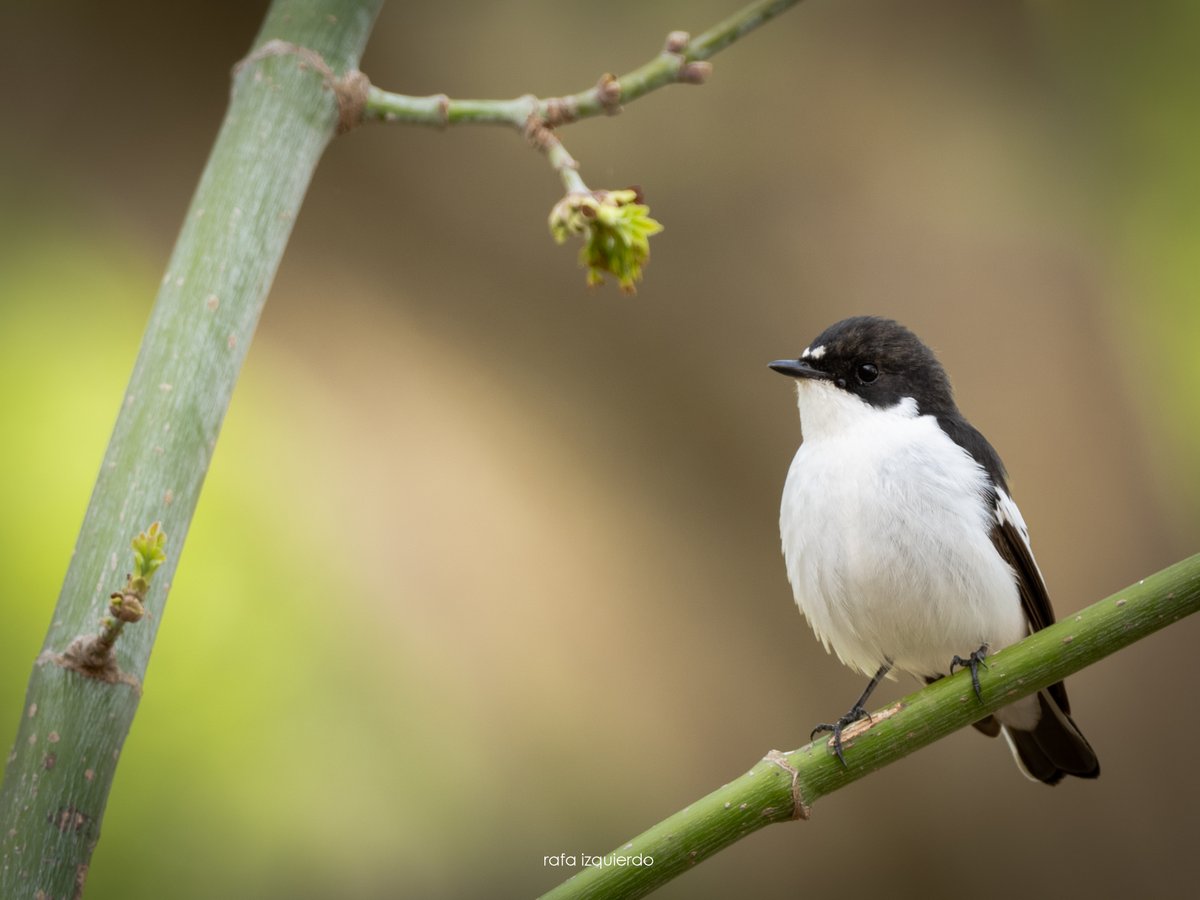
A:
[904,549]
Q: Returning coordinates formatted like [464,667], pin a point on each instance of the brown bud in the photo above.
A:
[126,607]
[677,41]
[695,72]
[608,92]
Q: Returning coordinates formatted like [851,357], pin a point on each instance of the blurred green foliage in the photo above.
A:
[1128,79]
[264,728]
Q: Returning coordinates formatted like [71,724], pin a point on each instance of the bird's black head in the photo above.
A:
[877,360]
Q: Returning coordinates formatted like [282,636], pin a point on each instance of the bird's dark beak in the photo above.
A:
[798,368]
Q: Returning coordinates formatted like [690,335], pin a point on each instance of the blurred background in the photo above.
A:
[570,617]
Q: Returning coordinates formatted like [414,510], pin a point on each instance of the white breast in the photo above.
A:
[885,531]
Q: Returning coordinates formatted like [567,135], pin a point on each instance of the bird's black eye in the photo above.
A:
[867,373]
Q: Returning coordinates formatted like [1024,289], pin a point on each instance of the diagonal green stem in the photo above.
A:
[783,786]
[280,119]
[735,27]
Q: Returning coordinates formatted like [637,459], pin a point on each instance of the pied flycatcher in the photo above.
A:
[903,546]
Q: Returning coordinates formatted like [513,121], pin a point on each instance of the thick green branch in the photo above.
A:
[783,786]
[281,116]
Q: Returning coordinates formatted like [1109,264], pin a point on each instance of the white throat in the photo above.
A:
[827,411]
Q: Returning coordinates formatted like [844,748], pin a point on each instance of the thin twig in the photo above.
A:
[682,60]
[674,64]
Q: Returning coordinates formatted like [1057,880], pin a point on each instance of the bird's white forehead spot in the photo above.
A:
[815,352]
[805,353]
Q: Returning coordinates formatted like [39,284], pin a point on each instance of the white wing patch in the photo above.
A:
[1007,511]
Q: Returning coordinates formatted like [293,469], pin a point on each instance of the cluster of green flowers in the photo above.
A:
[148,554]
[616,227]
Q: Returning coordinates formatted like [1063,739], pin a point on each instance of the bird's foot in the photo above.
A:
[856,713]
[972,662]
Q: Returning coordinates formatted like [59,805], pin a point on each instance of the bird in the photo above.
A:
[903,545]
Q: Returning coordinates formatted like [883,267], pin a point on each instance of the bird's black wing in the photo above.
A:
[1054,747]
[1009,535]
[1011,540]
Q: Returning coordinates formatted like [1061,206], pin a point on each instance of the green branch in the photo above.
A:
[281,116]
[683,60]
[675,64]
[783,786]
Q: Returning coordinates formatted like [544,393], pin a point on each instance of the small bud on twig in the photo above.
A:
[695,72]
[677,41]
[608,92]
[92,655]
[126,606]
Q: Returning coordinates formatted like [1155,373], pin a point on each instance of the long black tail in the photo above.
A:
[1056,747]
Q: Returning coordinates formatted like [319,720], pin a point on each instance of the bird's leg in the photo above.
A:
[857,711]
[972,662]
